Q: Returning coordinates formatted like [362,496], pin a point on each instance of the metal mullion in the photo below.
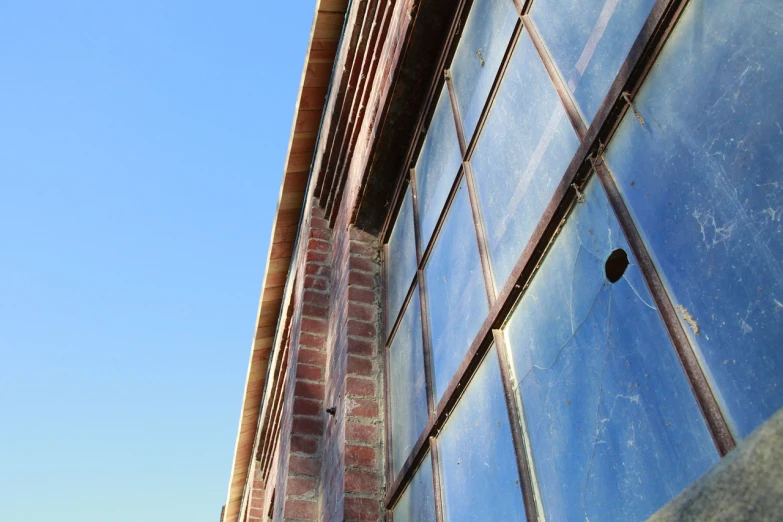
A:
[719,429]
[572,111]
[519,430]
[389,471]
[437,481]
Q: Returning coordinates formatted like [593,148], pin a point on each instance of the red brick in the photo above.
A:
[298,486]
[361,295]
[320,233]
[309,390]
[361,481]
[356,432]
[363,408]
[362,263]
[361,329]
[361,312]
[303,466]
[316,357]
[314,325]
[319,245]
[317,270]
[317,283]
[257,500]
[319,222]
[307,426]
[360,456]
[318,312]
[312,340]
[361,509]
[358,234]
[317,257]
[361,279]
[364,249]
[315,298]
[307,406]
[304,445]
[256,513]
[361,347]
[311,373]
[359,366]
[360,387]
[301,509]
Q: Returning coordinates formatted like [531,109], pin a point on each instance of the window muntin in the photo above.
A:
[457,298]
[479,469]
[417,503]
[524,148]
[479,53]
[590,43]
[609,410]
[407,384]
[702,179]
[438,164]
[401,259]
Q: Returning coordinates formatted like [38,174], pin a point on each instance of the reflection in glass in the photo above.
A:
[478,463]
[614,427]
[456,292]
[437,166]
[702,178]
[476,61]
[524,149]
[417,503]
[407,384]
[401,258]
[589,40]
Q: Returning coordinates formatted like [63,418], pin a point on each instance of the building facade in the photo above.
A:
[527,265]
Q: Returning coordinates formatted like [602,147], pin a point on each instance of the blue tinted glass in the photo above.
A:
[401,258]
[614,428]
[407,384]
[589,40]
[525,147]
[417,503]
[437,166]
[480,50]
[456,292]
[703,181]
[478,464]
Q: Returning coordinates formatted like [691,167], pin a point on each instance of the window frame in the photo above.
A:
[586,161]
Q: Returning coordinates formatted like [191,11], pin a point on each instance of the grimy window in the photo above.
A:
[583,285]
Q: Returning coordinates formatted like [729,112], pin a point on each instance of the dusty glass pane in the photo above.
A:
[456,292]
[480,50]
[407,384]
[479,467]
[417,503]
[703,181]
[589,40]
[524,150]
[437,166]
[614,428]
[401,258]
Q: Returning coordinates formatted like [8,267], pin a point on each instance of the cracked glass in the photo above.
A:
[614,428]
[401,258]
[589,40]
[478,463]
[437,166]
[523,151]
[699,165]
[456,294]
[407,384]
[479,53]
[417,502]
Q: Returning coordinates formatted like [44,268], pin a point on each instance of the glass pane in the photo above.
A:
[437,166]
[401,258]
[456,292]
[702,179]
[614,428]
[417,503]
[589,40]
[524,150]
[480,50]
[408,388]
[479,467]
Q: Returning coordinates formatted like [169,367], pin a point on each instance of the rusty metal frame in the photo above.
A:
[587,159]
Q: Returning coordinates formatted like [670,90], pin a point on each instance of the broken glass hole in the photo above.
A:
[615,265]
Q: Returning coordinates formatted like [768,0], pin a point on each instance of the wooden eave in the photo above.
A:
[325,36]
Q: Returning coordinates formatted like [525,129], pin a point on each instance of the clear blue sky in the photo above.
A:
[141,150]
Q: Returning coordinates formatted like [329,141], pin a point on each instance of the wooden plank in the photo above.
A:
[298,162]
[307,120]
[318,74]
[312,98]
